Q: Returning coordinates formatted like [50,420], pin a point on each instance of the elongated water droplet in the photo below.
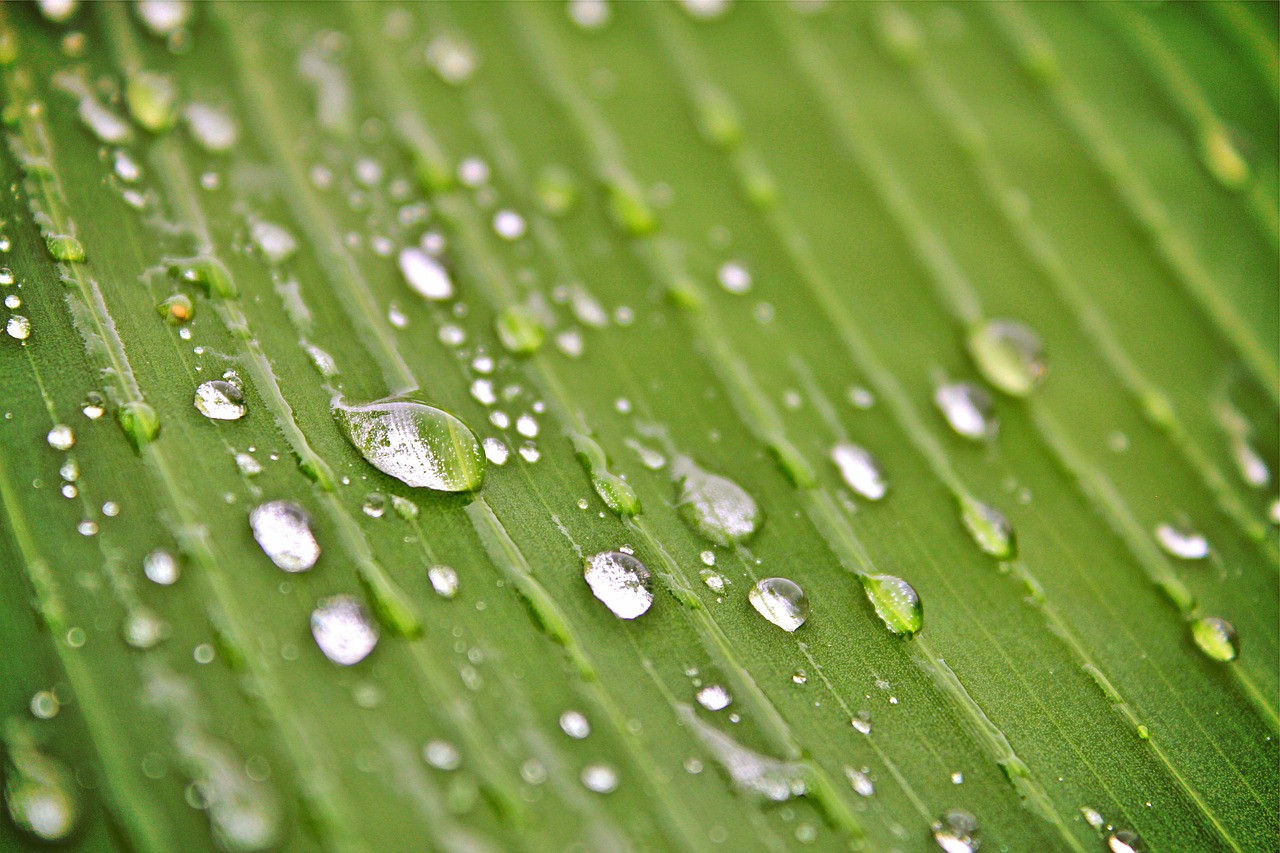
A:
[896,603]
[444,580]
[213,128]
[152,99]
[219,400]
[781,601]
[715,506]
[1008,355]
[419,445]
[442,755]
[207,272]
[61,437]
[1125,841]
[616,493]
[990,530]
[860,782]
[860,471]
[64,247]
[1252,467]
[713,697]
[957,832]
[771,778]
[343,630]
[39,791]
[967,409]
[1182,543]
[140,422]
[621,581]
[599,778]
[575,725]
[520,329]
[425,275]
[1217,638]
[283,530]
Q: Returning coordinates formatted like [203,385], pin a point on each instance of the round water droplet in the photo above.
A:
[957,832]
[621,581]
[375,505]
[61,437]
[45,705]
[219,400]
[1182,543]
[713,697]
[1125,841]
[1217,638]
[589,14]
[734,277]
[143,629]
[6,274]
[417,444]
[283,530]
[509,225]
[425,275]
[213,128]
[18,327]
[599,778]
[990,530]
[161,567]
[343,630]
[442,755]
[781,601]
[495,451]
[967,409]
[860,471]
[1008,355]
[444,580]
[39,793]
[575,725]
[152,99]
[718,508]
[896,603]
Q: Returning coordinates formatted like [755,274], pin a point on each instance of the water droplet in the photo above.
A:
[139,421]
[967,409]
[442,755]
[419,445]
[18,327]
[274,241]
[161,567]
[125,167]
[58,11]
[343,630]
[176,309]
[1182,543]
[621,581]
[575,725]
[799,677]
[860,471]
[718,508]
[45,705]
[425,275]
[1092,817]
[1222,158]
[219,400]
[62,437]
[143,629]
[208,272]
[495,451]
[705,10]
[213,128]
[454,60]
[527,426]
[990,530]
[599,778]
[715,581]
[771,778]
[1008,355]
[6,275]
[896,603]
[860,782]
[589,14]
[557,190]
[957,832]
[13,301]
[713,697]
[444,580]
[781,601]
[529,452]
[482,391]
[1124,841]
[957,778]
[164,17]
[39,792]
[519,329]
[612,489]
[509,225]
[283,530]
[1217,638]
[87,528]
[375,504]
[152,99]
[64,247]
[734,277]
[1252,467]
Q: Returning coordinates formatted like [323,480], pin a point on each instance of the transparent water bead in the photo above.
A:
[18,327]
[419,445]
[219,400]
[957,832]
[599,778]
[442,755]
[496,451]
[1182,543]
[283,530]
[343,630]
[161,567]
[734,277]
[781,601]
[860,471]
[621,581]
[896,603]
[713,697]
[718,508]
[1217,638]
[967,409]
[1125,841]
[575,725]
[425,275]
[444,580]
[860,782]
[39,791]
[61,437]
[1009,355]
[990,530]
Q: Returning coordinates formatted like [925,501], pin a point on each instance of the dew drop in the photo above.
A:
[419,445]
[1009,355]
[39,792]
[1252,467]
[61,437]
[6,274]
[219,400]
[957,832]
[343,630]
[527,426]
[1124,841]
[143,629]
[444,580]
[509,225]
[860,471]
[442,755]
[161,567]
[274,241]
[213,128]
[990,530]
[705,10]
[713,697]
[18,327]
[64,247]
[1092,817]
[176,309]
[454,60]
[13,301]
[715,506]
[599,778]
[425,275]
[734,277]
[896,603]
[375,505]
[139,421]
[621,581]
[152,99]
[862,723]
[967,409]
[1217,638]
[58,11]
[612,489]
[860,782]
[589,14]
[283,530]
[45,705]
[520,330]
[164,17]
[1182,543]
[781,601]
[575,725]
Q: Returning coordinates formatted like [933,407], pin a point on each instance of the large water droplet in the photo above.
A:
[18,327]
[781,601]
[990,530]
[1008,355]
[417,444]
[1217,638]
[139,421]
[967,409]
[860,471]
[713,697]
[64,247]
[957,832]
[61,437]
[621,581]
[283,529]
[425,275]
[444,580]
[1125,841]
[599,778]
[152,99]
[1182,543]
[39,791]
[715,506]
[219,400]
[161,567]
[896,603]
[343,629]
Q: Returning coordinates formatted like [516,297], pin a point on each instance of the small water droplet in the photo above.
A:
[896,603]
[799,677]
[1009,355]
[87,528]
[219,400]
[509,225]
[6,274]
[442,755]
[713,697]
[1124,841]
[213,128]
[1252,467]
[58,11]
[575,725]
[283,530]
[781,601]
[967,409]
[161,567]
[734,277]
[860,782]
[589,14]
[527,426]
[18,327]
[39,791]
[152,99]
[957,832]
[599,778]
[621,581]
[520,330]
[144,629]
[274,241]
[419,445]
[990,530]
[529,452]
[343,630]
[248,465]
[715,581]
[862,722]
[496,451]
[375,505]
[444,580]
[13,301]
[1182,543]
[860,471]
[45,705]
[705,10]
[957,778]
[1092,817]
[62,437]
[1217,638]
[454,60]
[716,507]
[425,275]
